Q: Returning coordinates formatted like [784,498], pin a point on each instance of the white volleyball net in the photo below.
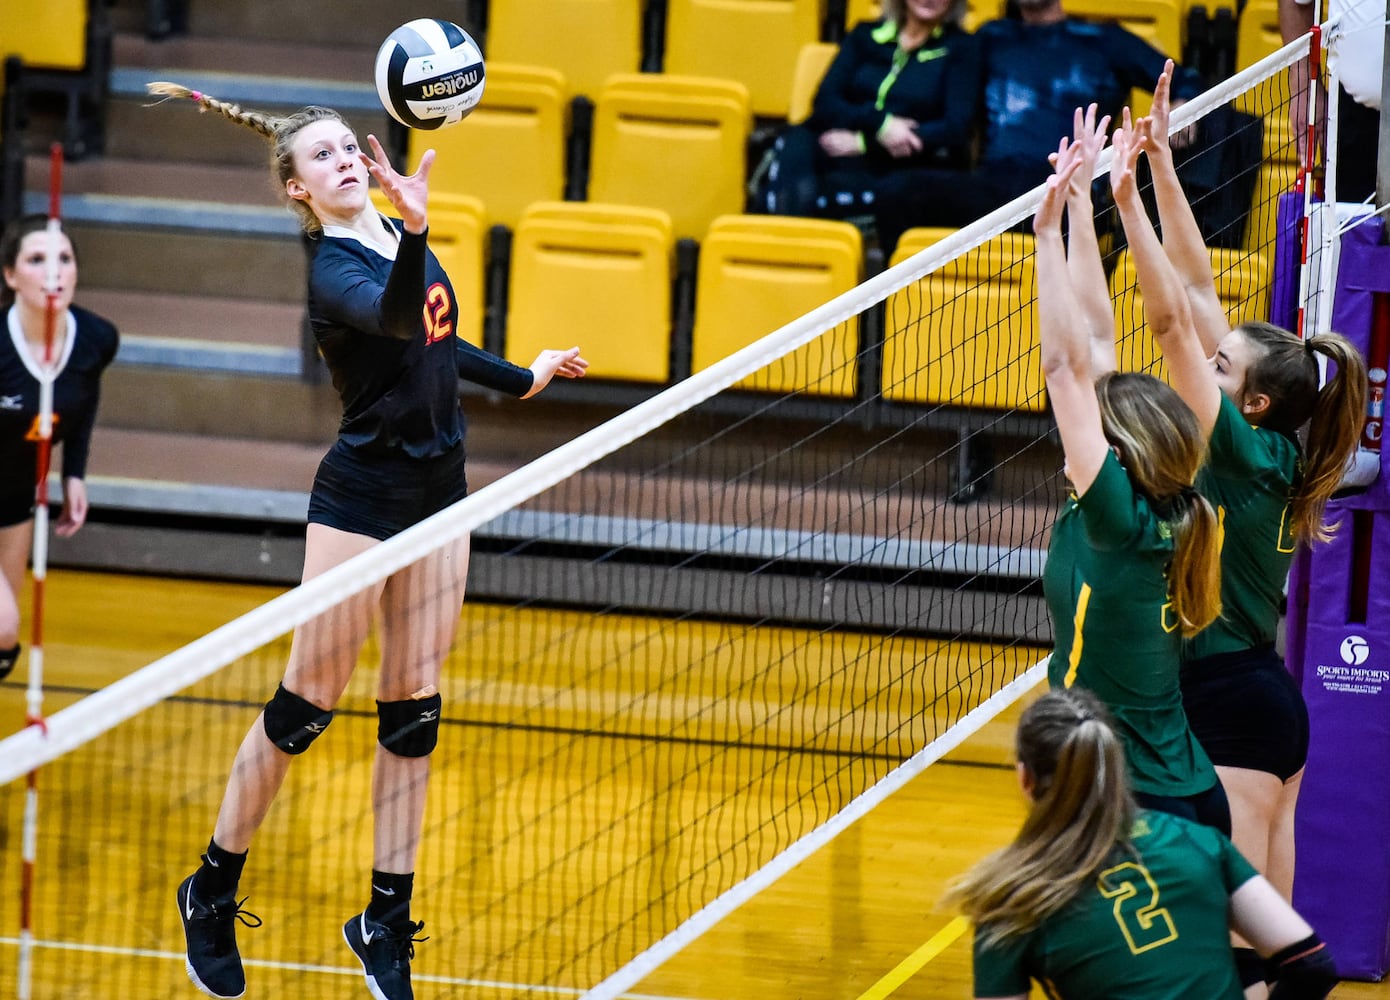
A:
[705,637]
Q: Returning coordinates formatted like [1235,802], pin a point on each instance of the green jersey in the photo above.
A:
[1152,925]
[1248,479]
[1115,632]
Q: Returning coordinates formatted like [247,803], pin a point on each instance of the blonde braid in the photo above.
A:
[279,130]
[262,124]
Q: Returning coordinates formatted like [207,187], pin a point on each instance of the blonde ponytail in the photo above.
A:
[1194,576]
[1161,447]
[1082,811]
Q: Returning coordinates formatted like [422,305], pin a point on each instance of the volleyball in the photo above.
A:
[429,73]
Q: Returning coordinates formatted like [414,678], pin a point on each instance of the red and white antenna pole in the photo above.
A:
[1305,183]
[34,694]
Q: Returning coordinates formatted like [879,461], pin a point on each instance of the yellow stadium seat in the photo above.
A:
[1278,173]
[758,273]
[674,143]
[1242,282]
[458,237]
[598,276]
[965,335]
[51,34]
[979,11]
[1257,35]
[1158,22]
[1257,32]
[862,10]
[511,150]
[811,65]
[586,40]
[919,238]
[753,41]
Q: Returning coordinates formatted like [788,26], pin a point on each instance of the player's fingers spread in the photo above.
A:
[426,162]
[378,153]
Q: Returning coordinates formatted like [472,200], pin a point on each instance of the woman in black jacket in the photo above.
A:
[901,93]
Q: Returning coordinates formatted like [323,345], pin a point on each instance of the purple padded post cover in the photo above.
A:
[1342,879]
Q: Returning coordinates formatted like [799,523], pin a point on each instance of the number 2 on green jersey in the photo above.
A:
[1134,892]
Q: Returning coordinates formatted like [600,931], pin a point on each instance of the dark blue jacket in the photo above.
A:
[1037,75]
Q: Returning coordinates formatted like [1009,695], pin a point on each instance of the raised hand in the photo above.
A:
[408,194]
[1048,218]
[549,364]
[1162,108]
[1088,140]
[1128,142]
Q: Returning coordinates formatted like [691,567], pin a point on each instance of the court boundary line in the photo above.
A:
[328,970]
[914,963]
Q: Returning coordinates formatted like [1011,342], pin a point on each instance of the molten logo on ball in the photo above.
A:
[1355,650]
[429,73]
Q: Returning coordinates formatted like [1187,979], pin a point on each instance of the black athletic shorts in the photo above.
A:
[382,495]
[16,506]
[1210,808]
[1247,712]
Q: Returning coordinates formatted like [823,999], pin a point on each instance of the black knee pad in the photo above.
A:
[409,728]
[1249,966]
[292,723]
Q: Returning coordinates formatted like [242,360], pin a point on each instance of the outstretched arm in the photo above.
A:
[1166,310]
[1066,347]
[1182,240]
[1083,251]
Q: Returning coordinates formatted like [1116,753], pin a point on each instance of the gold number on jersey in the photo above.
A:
[33,433]
[437,306]
[1134,893]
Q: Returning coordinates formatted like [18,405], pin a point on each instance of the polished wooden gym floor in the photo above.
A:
[861,918]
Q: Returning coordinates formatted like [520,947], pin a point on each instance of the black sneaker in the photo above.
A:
[385,952]
[209,927]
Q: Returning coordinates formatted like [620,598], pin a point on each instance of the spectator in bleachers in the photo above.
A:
[901,93]
[1038,68]
[82,345]
[1356,43]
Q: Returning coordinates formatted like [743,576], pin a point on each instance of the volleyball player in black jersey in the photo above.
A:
[384,315]
[83,345]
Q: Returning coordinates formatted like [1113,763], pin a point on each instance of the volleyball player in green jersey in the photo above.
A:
[1252,389]
[1132,565]
[1095,898]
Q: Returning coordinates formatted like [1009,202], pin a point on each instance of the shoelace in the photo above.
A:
[245,917]
[403,940]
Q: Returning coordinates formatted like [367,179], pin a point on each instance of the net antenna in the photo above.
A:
[33,716]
